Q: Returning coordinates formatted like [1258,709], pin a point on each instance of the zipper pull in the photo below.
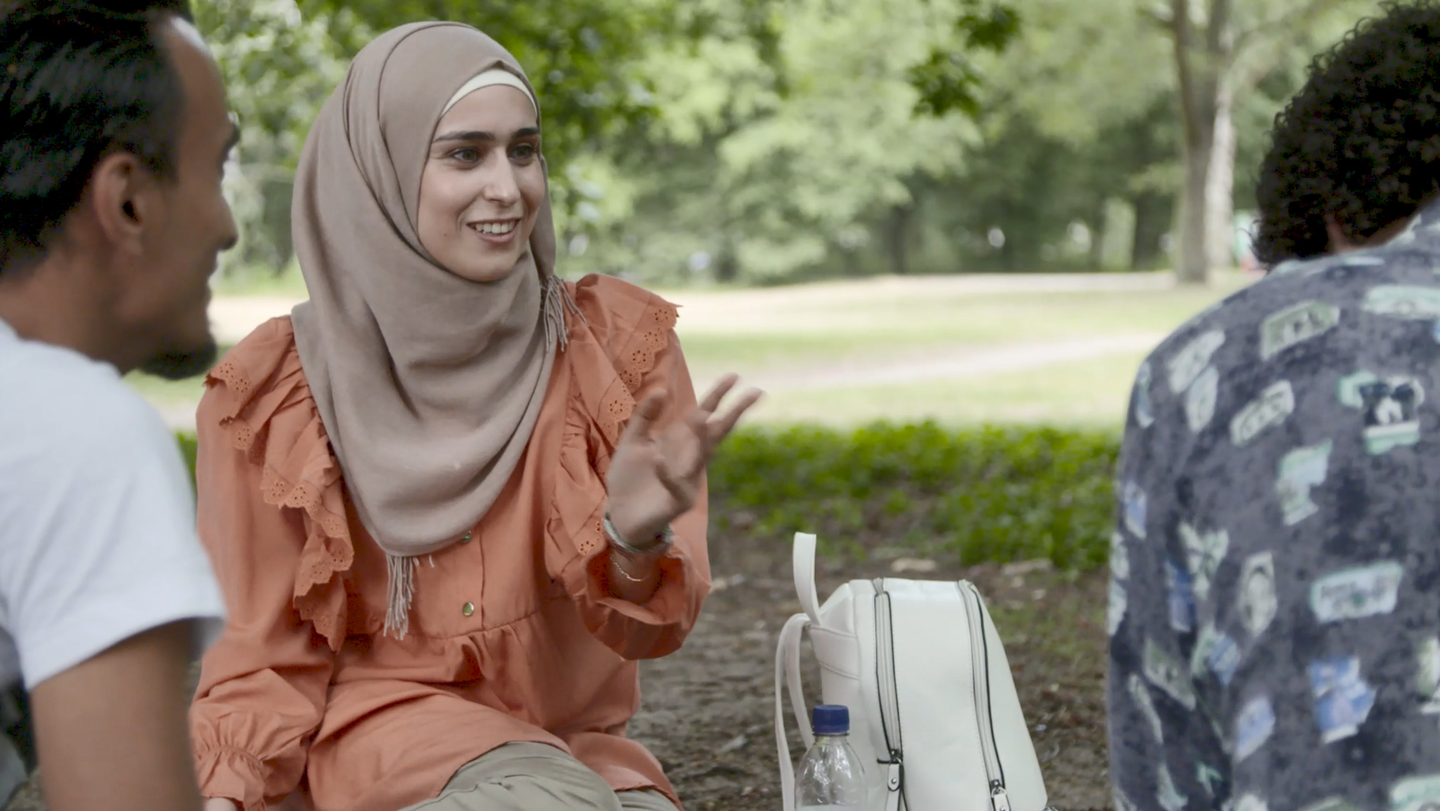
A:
[892,784]
[999,800]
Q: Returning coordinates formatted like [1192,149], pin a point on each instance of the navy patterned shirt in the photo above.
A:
[1275,571]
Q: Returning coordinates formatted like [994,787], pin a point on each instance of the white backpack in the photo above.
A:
[933,711]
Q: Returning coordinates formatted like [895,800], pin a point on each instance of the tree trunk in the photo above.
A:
[1220,185]
[727,270]
[899,238]
[1201,63]
[1099,225]
[849,259]
[727,264]
[1154,214]
[277,196]
[1193,261]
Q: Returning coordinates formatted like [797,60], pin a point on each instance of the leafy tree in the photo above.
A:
[771,154]
[1106,81]
[742,130]
[1076,117]
[1221,51]
[279,67]
[581,55]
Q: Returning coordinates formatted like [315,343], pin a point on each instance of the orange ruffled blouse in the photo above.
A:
[514,634]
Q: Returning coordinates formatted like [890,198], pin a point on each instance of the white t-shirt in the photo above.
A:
[97,516]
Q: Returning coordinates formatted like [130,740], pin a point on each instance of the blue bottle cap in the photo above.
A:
[831,719]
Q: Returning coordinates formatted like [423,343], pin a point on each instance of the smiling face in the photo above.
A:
[483,184]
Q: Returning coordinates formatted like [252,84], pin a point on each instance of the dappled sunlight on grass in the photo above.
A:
[1091,393]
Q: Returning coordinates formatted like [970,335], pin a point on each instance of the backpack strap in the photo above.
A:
[787,674]
[787,663]
[803,560]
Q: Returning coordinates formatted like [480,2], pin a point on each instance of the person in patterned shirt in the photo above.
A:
[1274,601]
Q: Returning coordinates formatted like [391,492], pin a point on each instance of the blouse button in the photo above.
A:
[465,538]
[467,609]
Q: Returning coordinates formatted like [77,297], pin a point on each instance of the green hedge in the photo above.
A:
[985,494]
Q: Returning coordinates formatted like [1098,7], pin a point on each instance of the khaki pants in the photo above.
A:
[535,777]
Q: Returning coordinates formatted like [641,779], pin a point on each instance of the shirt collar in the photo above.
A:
[1426,219]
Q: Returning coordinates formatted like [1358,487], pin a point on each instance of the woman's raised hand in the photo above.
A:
[656,472]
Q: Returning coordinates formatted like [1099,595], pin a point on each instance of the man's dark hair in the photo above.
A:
[1360,142]
[79,81]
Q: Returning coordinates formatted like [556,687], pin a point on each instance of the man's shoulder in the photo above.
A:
[56,400]
[1301,298]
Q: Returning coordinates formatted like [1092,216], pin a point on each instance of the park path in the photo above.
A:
[957,362]
[235,316]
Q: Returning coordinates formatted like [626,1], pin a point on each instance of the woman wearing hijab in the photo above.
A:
[451,499]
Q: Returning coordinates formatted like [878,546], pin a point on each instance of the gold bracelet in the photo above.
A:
[623,573]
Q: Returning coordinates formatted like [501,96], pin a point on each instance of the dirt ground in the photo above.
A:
[707,711]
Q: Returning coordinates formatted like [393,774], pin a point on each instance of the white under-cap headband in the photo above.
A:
[490,77]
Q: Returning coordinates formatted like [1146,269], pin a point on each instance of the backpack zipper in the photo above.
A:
[980,659]
[889,696]
[885,678]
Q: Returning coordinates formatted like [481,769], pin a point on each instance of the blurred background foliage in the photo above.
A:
[700,142]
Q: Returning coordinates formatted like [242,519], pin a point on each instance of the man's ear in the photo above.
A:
[1337,241]
[122,199]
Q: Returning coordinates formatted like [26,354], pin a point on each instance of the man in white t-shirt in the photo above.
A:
[113,136]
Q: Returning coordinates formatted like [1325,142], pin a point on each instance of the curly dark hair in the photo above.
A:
[1360,142]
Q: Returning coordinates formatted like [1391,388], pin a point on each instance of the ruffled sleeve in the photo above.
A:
[624,348]
[271,514]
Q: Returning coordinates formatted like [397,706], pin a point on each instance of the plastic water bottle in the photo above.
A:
[830,777]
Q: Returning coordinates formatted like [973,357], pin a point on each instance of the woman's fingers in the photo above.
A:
[712,399]
[725,423]
[644,416]
[685,446]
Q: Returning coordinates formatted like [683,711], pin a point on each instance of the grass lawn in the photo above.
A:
[782,330]
[780,336]
[165,392]
[261,282]
[1091,393]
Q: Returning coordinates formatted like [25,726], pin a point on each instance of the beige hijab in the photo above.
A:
[428,384]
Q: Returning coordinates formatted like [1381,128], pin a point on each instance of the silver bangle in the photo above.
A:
[667,538]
